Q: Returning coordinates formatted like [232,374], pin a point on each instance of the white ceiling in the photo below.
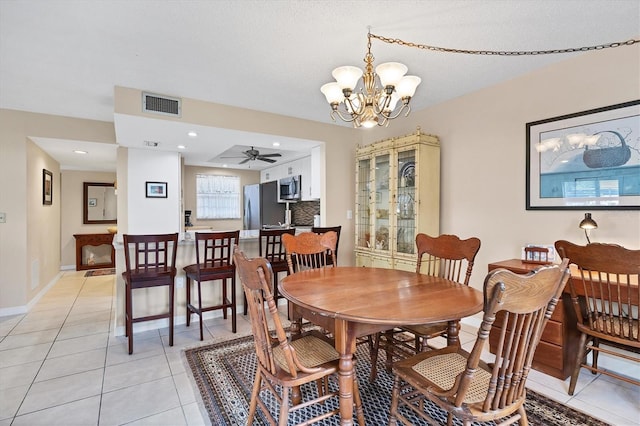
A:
[65,57]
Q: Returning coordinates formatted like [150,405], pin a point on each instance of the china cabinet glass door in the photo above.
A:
[406,208]
[382,203]
[363,204]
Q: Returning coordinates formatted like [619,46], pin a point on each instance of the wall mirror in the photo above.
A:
[100,203]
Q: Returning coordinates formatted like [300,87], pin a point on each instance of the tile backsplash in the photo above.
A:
[302,212]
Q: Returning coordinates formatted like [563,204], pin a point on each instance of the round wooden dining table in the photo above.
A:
[357,301]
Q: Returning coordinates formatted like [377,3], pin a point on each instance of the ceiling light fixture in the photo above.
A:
[372,105]
[181,147]
[375,105]
[192,134]
[78,151]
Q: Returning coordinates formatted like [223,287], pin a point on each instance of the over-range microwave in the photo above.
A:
[289,188]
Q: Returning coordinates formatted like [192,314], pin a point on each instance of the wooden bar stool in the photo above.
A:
[270,247]
[322,230]
[150,262]
[214,251]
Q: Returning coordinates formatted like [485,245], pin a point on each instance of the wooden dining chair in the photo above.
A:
[214,252]
[325,229]
[463,385]
[285,363]
[445,256]
[309,250]
[149,262]
[604,293]
[271,248]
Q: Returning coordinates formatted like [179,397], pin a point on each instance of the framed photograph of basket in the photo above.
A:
[589,159]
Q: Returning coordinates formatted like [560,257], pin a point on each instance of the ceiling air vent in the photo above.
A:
[161,104]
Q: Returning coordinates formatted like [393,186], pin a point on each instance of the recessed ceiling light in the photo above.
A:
[276,144]
[224,165]
[181,147]
[78,151]
[192,134]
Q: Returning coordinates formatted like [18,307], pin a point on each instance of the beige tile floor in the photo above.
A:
[61,365]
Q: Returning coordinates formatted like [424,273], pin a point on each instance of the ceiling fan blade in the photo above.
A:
[245,160]
[271,155]
[268,160]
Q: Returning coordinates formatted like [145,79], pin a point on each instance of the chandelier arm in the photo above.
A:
[379,109]
[384,122]
[351,109]
[503,52]
[390,116]
[342,117]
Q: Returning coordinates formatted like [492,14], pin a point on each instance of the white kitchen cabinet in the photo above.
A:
[272,173]
[397,197]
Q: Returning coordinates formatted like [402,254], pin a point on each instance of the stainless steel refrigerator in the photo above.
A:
[261,205]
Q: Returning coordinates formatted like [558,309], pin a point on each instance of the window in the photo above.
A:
[217,197]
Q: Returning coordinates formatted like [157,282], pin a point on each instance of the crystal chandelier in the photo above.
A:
[373,104]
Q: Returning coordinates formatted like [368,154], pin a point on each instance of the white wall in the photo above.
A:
[152,215]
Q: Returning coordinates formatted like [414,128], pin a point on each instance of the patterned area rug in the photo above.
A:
[100,272]
[224,373]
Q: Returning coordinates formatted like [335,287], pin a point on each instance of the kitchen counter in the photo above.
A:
[190,235]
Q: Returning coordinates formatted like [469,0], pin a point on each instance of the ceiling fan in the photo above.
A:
[253,154]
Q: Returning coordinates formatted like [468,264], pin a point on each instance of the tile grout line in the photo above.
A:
[48,352]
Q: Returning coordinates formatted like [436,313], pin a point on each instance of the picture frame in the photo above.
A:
[585,160]
[47,187]
[156,189]
[93,202]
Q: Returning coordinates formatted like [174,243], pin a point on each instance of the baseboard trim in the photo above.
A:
[23,309]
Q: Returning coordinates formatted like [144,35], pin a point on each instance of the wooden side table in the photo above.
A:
[83,240]
[555,354]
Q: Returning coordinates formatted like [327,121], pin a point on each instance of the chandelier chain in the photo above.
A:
[501,52]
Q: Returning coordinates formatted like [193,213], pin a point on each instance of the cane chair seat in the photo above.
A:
[442,370]
[310,349]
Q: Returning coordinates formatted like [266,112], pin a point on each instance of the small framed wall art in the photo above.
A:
[47,187]
[156,189]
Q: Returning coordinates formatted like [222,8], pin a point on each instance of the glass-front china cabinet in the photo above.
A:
[397,197]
